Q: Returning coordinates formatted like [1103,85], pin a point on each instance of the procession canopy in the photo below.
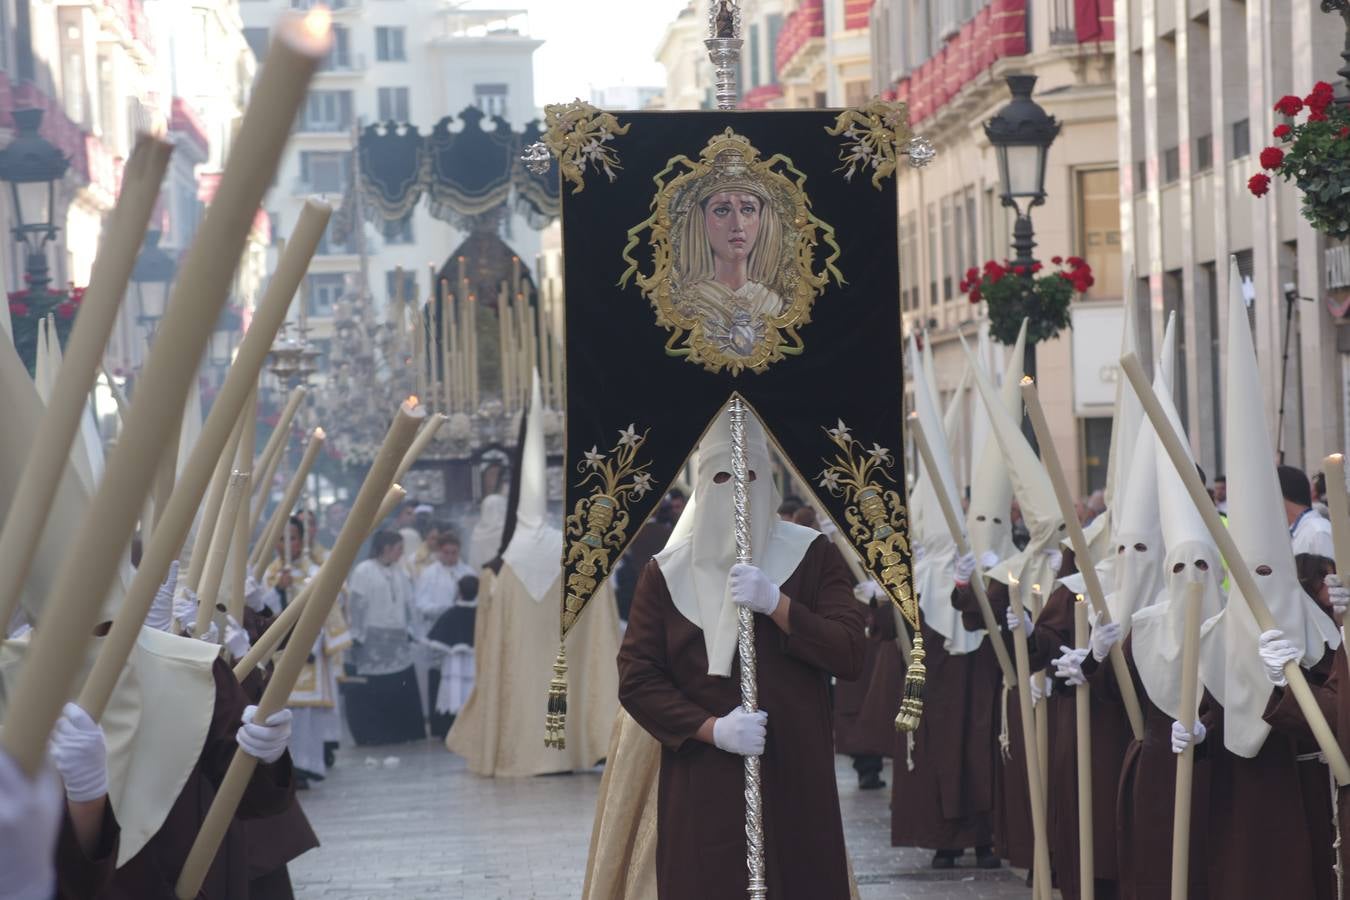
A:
[720,254]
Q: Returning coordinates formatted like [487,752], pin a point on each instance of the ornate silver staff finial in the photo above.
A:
[724,49]
[537,158]
[920,151]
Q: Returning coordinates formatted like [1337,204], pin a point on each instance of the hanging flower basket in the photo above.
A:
[1015,292]
[1315,155]
[27,309]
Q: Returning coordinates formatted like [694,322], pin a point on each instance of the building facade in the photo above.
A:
[414,61]
[1196,106]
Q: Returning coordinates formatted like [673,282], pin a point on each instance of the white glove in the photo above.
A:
[741,732]
[160,616]
[79,753]
[1069,666]
[752,589]
[867,591]
[988,560]
[253,593]
[1055,558]
[1010,616]
[1103,638]
[1181,740]
[965,567]
[265,742]
[1275,652]
[236,638]
[30,819]
[185,609]
[1338,594]
[1038,693]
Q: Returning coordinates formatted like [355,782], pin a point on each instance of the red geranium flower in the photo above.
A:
[65,310]
[1272,158]
[1283,131]
[1344,132]
[1259,184]
[1076,262]
[1020,270]
[1057,260]
[975,295]
[1036,267]
[17,308]
[1289,105]
[972,274]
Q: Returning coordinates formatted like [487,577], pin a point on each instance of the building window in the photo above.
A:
[932,254]
[491,99]
[391,284]
[393,104]
[400,231]
[389,44]
[958,264]
[1204,152]
[775,23]
[909,262]
[257,39]
[754,57]
[327,111]
[857,93]
[324,171]
[340,54]
[948,248]
[1171,165]
[1099,213]
[324,292]
[1141,176]
[1096,452]
[1241,144]
[972,244]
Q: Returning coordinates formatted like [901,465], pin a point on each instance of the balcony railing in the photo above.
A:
[1062,22]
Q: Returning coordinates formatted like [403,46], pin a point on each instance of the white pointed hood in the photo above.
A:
[1137,575]
[1229,665]
[954,426]
[980,436]
[1158,628]
[935,573]
[988,522]
[535,546]
[1035,494]
[699,556]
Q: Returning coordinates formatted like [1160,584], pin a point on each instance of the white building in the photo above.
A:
[412,61]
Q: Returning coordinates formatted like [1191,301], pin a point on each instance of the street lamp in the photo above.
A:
[1021,134]
[32,165]
[152,276]
[222,338]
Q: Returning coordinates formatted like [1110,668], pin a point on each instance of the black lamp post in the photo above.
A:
[221,347]
[1021,134]
[151,279]
[32,165]
[1342,7]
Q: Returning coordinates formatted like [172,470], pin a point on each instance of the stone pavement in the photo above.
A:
[429,829]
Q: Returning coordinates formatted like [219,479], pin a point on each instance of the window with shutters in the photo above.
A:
[389,44]
[392,103]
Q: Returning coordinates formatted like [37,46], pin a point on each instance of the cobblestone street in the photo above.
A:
[429,829]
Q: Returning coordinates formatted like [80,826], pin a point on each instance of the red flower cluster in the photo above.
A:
[65,310]
[1074,270]
[1317,102]
[1078,273]
[1259,184]
[18,308]
[1272,158]
[1283,131]
[1289,105]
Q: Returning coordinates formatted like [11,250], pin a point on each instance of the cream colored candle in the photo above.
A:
[206,527]
[1339,505]
[192,481]
[214,572]
[1041,864]
[328,581]
[64,632]
[475,370]
[1064,496]
[281,625]
[1190,691]
[27,514]
[276,528]
[273,453]
[1237,566]
[424,437]
[447,381]
[237,563]
[1083,713]
[503,330]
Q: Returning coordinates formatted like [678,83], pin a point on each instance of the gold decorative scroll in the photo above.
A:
[876,137]
[579,135]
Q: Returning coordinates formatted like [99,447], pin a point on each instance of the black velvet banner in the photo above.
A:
[730,254]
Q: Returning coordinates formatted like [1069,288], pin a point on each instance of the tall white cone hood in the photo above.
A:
[988,521]
[535,545]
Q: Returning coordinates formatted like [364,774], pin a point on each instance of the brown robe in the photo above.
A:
[1111,736]
[1270,816]
[664,684]
[1145,797]
[1012,796]
[1284,716]
[865,709]
[947,801]
[81,875]
[151,873]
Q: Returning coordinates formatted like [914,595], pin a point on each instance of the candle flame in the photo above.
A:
[320,434]
[914,416]
[1079,597]
[1036,588]
[412,402]
[1027,380]
[1336,457]
[318,22]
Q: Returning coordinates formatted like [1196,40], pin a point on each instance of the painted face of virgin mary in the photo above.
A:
[731,220]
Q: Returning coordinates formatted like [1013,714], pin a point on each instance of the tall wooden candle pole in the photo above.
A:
[447,380]
[1237,566]
[1080,550]
[187,495]
[1041,864]
[327,583]
[419,445]
[1041,710]
[206,528]
[273,453]
[1082,714]
[276,527]
[214,572]
[27,514]
[237,562]
[1190,695]
[1339,504]
[963,547]
[279,627]
[65,630]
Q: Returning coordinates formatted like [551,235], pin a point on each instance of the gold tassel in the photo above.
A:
[555,725]
[911,707]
